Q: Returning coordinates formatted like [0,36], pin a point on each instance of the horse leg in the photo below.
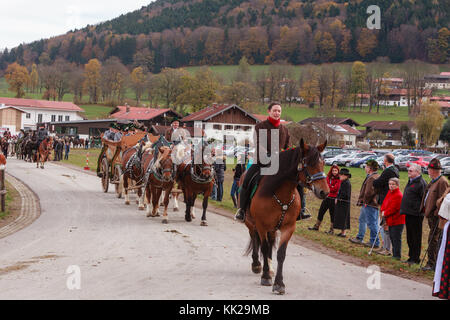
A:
[175,202]
[271,238]
[188,202]
[155,200]
[125,188]
[205,206]
[166,204]
[266,279]
[141,194]
[149,198]
[256,244]
[286,235]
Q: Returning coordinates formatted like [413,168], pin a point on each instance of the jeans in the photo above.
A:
[386,239]
[395,233]
[219,195]
[235,189]
[369,218]
[214,192]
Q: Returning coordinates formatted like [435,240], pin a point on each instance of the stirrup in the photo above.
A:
[240,215]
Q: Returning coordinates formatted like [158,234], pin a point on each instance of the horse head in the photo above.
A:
[165,164]
[310,169]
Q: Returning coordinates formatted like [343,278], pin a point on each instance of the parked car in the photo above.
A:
[337,160]
[361,160]
[421,161]
[445,164]
[421,153]
[440,156]
[331,153]
[345,161]
[401,152]
[401,161]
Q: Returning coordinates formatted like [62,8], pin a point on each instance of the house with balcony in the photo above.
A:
[40,111]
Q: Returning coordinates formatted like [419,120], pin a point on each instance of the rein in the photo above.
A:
[302,167]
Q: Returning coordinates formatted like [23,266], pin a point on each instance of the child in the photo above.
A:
[342,209]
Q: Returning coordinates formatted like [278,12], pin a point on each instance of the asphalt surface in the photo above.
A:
[87,244]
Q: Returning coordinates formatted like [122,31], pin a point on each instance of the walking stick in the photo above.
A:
[431,239]
[374,241]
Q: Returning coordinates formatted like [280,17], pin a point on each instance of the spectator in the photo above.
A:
[434,190]
[342,208]
[390,211]
[441,285]
[368,216]
[381,184]
[67,149]
[328,203]
[410,207]
[238,171]
[220,167]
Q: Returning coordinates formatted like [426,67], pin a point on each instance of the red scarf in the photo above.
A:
[275,123]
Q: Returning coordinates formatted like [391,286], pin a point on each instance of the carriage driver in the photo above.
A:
[174,125]
[273,122]
[41,135]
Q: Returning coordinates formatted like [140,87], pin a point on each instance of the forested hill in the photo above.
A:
[174,33]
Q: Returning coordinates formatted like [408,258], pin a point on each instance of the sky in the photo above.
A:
[24,21]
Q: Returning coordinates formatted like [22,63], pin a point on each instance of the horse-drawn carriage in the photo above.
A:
[109,166]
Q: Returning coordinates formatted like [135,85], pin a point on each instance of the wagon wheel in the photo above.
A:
[105,175]
[117,176]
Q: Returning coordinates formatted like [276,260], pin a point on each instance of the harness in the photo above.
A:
[302,167]
[198,179]
[134,161]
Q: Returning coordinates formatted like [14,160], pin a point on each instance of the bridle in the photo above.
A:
[303,167]
[198,178]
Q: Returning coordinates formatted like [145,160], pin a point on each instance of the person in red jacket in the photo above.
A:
[328,203]
[390,211]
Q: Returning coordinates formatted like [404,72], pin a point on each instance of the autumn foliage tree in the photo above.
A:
[138,82]
[429,123]
[17,77]
[92,80]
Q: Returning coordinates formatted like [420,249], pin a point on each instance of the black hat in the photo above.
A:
[174,119]
[435,164]
[345,172]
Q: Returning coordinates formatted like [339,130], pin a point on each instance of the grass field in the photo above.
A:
[341,245]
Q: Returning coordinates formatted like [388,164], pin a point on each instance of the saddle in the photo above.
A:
[251,188]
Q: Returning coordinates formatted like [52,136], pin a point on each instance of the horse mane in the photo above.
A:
[288,169]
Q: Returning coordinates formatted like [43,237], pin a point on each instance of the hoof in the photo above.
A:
[187,218]
[257,269]
[204,223]
[155,215]
[165,221]
[127,203]
[279,289]
[176,209]
[141,208]
[266,282]
[148,215]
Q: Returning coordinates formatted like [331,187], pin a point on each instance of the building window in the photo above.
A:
[228,127]
[246,128]
[39,120]
[28,116]
[67,118]
[217,127]
[237,127]
[60,118]
[53,118]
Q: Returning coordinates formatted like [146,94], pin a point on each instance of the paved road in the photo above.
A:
[121,254]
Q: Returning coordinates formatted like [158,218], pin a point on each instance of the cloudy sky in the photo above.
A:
[26,20]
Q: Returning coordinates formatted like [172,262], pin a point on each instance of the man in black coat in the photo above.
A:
[410,207]
[381,184]
[219,168]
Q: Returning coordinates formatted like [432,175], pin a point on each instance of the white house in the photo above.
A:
[222,121]
[40,111]
[438,81]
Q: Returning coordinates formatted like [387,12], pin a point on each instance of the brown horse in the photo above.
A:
[43,152]
[160,177]
[133,173]
[195,179]
[276,205]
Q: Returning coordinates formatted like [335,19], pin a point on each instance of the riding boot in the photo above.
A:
[316,226]
[240,213]
[302,214]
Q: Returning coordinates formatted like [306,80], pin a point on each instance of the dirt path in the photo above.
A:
[121,254]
